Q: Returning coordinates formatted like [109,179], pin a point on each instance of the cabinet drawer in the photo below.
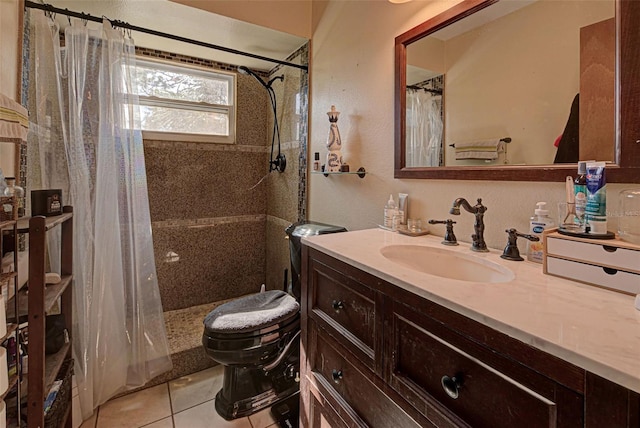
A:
[475,392]
[360,398]
[345,306]
[597,254]
[605,277]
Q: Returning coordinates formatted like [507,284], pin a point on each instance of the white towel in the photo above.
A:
[488,149]
[14,120]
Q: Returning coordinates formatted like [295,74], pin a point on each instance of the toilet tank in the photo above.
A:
[295,232]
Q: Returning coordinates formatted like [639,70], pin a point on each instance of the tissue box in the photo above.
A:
[47,202]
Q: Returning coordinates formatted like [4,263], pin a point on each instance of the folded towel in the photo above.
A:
[488,149]
[14,121]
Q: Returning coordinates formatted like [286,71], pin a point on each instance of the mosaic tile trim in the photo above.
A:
[278,221]
[207,222]
[303,52]
[186,59]
[215,147]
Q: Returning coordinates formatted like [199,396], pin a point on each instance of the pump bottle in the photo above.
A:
[539,223]
[390,210]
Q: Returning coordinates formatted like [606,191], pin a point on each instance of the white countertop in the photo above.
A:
[593,328]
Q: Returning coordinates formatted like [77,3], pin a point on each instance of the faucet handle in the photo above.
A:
[449,236]
[511,251]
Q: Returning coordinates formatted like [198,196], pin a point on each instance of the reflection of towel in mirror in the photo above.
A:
[488,149]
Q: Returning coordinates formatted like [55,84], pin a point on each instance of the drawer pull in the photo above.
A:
[452,385]
[609,249]
[336,375]
[337,305]
[610,271]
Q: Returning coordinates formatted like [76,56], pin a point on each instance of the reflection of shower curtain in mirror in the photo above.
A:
[424,128]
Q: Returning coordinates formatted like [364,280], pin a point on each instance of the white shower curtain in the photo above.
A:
[119,337]
[424,128]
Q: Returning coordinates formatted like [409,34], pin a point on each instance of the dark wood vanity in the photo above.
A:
[375,354]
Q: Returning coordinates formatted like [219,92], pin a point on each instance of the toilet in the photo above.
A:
[257,339]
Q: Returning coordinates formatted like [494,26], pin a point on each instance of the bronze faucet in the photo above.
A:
[478,226]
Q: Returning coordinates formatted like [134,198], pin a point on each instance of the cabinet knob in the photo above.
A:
[336,375]
[337,305]
[452,385]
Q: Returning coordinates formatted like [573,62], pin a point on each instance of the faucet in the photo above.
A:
[478,226]
[449,236]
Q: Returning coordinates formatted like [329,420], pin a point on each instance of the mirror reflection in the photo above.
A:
[517,83]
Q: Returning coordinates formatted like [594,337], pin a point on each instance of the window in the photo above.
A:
[184,103]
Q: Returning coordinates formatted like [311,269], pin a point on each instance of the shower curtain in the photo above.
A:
[86,142]
[424,128]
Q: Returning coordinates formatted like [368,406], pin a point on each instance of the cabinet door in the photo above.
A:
[323,416]
[431,371]
[352,388]
[344,306]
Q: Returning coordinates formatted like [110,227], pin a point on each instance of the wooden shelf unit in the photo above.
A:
[9,230]
[40,298]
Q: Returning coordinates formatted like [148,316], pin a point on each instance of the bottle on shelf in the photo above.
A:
[14,190]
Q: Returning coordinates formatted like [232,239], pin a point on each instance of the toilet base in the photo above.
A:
[246,391]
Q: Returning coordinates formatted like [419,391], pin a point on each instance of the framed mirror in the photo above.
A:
[519,91]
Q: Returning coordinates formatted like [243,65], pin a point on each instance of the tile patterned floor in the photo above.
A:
[187,402]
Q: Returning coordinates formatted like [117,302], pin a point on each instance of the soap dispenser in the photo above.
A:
[390,210]
[538,224]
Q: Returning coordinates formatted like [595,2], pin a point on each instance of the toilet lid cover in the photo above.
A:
[251,312]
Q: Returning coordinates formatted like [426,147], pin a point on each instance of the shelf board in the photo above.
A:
[50,222]
[7,276]
[12,381]
[361,172]
[52,364]
[51,294]
[11,327]
[7,224]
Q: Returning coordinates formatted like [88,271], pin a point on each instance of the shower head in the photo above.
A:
[248,72]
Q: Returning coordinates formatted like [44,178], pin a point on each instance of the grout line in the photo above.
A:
[164,417]
[170,401]
[95,424]
[196,405]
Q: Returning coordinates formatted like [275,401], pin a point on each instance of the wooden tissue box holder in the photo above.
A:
[612,264]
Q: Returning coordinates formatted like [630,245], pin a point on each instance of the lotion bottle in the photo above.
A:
[390,210]
[539,223]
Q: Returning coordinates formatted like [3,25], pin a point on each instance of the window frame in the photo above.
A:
[230,110]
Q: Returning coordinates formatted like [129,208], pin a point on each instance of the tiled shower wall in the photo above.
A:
[286,196]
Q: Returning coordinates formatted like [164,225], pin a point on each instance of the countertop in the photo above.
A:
[593,328]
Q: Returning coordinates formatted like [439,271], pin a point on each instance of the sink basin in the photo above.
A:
[447,264]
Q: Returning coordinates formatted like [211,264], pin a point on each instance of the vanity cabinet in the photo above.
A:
[377,355]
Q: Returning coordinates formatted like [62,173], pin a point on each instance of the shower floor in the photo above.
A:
[184,326]
[184,334]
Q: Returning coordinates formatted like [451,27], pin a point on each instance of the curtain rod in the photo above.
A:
[126,25]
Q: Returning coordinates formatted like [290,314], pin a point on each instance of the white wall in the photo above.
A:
[289,16]
[353,68]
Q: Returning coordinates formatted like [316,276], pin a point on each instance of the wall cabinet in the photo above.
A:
[377,355]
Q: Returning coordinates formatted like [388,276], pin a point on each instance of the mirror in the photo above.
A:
[518,91]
